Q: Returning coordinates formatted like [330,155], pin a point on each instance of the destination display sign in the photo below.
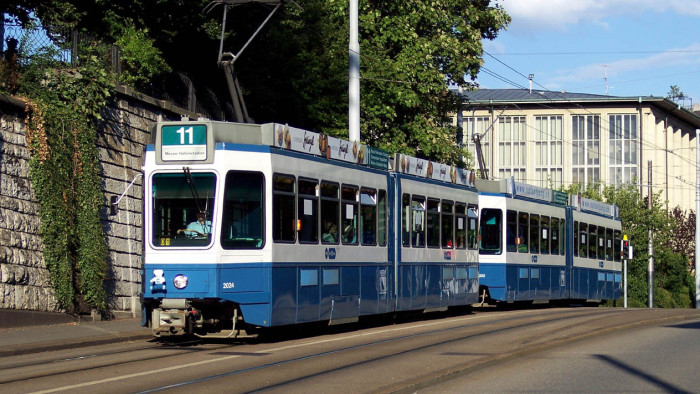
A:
[184,143]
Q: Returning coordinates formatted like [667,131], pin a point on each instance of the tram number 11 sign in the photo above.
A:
[184,143]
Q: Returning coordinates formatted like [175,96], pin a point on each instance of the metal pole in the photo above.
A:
[625,283]
[354,85]
[697,222]
[625,273]
[651,244]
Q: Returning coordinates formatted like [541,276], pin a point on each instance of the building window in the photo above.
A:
[624,156]
[511,148]
[478,125]
[549,166]
[585,149]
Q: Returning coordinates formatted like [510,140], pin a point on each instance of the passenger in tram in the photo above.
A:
[330,234]
[460,240]
[349,234]
[200,228]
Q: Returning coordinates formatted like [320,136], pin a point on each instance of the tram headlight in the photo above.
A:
[180,281]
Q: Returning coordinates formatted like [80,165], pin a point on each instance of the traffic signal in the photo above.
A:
[626,248]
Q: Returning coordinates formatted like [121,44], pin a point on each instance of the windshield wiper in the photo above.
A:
[193,188]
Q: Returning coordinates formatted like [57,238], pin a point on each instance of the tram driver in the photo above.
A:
[200,228]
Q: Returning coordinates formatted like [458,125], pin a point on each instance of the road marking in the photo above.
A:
[194,364]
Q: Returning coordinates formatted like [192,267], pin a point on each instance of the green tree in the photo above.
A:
[675,93]
[672,282]
[296,70]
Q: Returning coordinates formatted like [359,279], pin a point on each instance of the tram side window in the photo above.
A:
[283,209]
[562,237]
[473,232]
[461,226]
[608,244]
[592,241]
[576,241]
[534,233]
[406,220]
[617,245]
[433,223]
[582,240]
[490,230]
[447,224]
[368,216]
[349,198]
[511,230]
[330,212]
[523,232]
[554,230]
[243,216]
[382,218]
[307,223]
[418,222]
[601,243]
[545,235]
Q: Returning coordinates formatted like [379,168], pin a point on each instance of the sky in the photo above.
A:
[615,47]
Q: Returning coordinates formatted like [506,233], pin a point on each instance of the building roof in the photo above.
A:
[525,96]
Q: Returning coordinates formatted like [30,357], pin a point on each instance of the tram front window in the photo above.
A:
[182,209]
[490,231]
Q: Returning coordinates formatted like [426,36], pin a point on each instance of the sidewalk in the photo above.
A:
[22,332]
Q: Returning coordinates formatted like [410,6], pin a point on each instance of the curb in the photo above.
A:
[38,347]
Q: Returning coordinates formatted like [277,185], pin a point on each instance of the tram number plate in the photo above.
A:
[229,285]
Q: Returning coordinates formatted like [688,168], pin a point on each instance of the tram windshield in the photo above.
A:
[182,209]
[490,231]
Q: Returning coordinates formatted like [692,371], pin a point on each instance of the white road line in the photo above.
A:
[194,364]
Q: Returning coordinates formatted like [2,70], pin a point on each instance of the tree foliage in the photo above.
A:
[65,173]
[296,69]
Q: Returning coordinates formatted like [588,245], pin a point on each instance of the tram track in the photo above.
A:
[517,320]
[449,346]
[51,363]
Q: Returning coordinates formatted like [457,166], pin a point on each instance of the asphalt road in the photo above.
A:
[426,354]
[656,359]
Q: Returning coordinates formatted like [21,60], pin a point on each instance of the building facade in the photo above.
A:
[554,139]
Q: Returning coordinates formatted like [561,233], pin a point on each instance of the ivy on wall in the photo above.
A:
[65,172]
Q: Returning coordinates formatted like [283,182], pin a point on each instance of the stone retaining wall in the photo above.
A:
[122,139]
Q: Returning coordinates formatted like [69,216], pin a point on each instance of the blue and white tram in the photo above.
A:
[437,253]
[535,247]
[595,236]
[522,255]
[270,225]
